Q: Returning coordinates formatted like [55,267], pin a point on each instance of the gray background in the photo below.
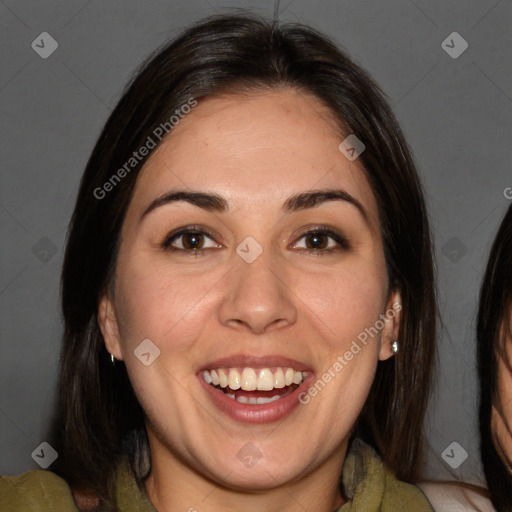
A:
[456,114]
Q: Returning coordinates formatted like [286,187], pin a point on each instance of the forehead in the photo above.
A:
[254,149]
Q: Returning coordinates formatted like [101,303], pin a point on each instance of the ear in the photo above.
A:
[108,324]
[391,330]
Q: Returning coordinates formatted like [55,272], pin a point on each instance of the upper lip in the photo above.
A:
[243,360]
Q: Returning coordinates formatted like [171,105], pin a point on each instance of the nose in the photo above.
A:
[257,297]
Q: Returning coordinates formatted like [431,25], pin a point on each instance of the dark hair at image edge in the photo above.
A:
[102,420]
[493,329]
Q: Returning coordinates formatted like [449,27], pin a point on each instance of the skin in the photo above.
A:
[256,152]
[504,385]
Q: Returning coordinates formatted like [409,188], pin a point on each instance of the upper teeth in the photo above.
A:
[250,379]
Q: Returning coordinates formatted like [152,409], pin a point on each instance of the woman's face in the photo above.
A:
[499,422]
[265,277]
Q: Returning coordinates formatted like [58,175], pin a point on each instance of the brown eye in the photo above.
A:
[317,241]
[189,240]
[322,241]
[192,241]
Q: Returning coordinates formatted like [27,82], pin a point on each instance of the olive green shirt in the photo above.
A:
[368,486]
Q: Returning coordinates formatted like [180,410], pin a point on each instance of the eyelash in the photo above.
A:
[342,243]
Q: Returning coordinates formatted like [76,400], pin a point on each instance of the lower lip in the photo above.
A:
[258,413]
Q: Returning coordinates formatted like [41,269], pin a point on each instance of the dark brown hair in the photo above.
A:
[493,333]
[103,422]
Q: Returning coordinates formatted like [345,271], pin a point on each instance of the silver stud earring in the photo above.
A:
[394,347]
[113,359]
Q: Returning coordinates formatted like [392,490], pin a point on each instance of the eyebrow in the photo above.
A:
[215,203]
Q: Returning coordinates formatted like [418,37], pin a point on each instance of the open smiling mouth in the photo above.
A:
[255,386]
[255,395]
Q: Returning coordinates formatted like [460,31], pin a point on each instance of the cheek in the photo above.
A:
[163,305]
[345,303]
[171,307]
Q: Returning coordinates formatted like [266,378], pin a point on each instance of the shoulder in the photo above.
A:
[404,496]
[452,497]
[34,491]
